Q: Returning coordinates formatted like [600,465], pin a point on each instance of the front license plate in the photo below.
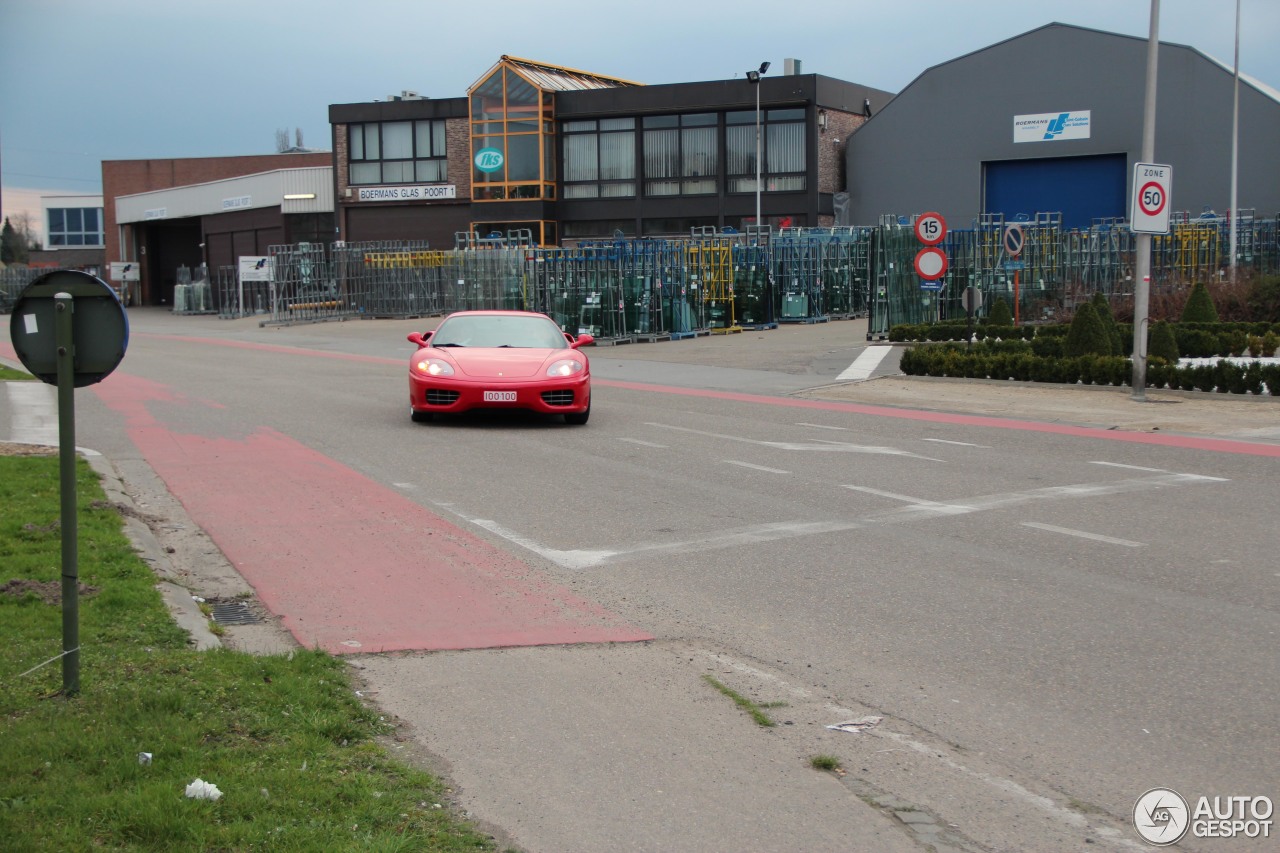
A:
[499,396]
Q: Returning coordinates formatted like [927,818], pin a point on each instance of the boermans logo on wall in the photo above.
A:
[1051,127]
[431,192]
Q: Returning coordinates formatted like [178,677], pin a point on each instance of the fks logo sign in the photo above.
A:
[489,160]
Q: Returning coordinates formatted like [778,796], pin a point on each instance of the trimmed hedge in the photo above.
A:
[1017,361]
[1195,340]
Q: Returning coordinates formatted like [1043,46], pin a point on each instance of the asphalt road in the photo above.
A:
[1034,622]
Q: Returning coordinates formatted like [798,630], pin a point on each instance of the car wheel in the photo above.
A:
[420,417]
[578,418]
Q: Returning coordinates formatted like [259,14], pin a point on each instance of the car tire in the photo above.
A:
[578,418]
[420,417]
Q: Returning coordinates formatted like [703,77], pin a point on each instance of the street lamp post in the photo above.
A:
[754,78]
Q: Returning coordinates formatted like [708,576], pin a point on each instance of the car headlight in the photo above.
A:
[435,367]
[565,367]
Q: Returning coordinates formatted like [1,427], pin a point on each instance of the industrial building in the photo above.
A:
[1045,126]
[1050,122]
[566,155]
[167,216]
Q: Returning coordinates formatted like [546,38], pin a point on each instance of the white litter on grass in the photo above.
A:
[202,790]
[144,758]
[856,726]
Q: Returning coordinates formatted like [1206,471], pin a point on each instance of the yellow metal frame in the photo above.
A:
[711,263]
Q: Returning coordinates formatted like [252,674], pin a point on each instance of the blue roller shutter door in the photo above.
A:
[1080,188]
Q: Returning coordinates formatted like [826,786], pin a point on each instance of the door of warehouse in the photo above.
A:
[1080,188]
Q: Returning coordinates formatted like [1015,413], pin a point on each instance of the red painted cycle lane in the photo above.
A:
[349,565]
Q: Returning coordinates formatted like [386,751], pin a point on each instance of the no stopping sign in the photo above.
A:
[931,263]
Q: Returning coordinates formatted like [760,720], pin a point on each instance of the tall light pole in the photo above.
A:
[1235,153]
[754,78]
[1142,242]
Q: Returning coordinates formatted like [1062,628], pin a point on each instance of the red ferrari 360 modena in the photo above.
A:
[499,360]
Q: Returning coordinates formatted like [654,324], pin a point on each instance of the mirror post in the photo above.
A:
[64,306]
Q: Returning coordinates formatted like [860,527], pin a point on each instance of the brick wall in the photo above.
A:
[831,159]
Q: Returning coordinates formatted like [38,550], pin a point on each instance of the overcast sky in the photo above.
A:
[82,81]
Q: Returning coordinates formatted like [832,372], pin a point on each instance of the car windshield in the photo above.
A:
[497,330]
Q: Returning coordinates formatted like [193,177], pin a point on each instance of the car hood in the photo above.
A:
[504,363]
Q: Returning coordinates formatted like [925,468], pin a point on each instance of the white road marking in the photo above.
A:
[575,559]
[864,365]
[758,534]
[33,416]
[1130,467]
[754,467]
[823,426]
[644,443]
[405,485]
[959,443]
[907,498]
[837,446]
[1083,534]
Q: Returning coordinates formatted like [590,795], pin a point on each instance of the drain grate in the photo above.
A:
[233,613]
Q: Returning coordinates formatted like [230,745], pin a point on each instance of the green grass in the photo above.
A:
[9,373]
[754,710]
[824,762]
[284,737]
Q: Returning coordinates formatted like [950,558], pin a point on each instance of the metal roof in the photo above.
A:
[557,78]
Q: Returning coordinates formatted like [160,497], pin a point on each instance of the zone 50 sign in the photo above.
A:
[1149,212]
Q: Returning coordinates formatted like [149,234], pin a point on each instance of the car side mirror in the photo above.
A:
[419,338]
[582,341]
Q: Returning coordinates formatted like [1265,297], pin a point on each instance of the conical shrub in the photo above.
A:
[1087,336]
[1000,315]
[1199,307]
[1103,307]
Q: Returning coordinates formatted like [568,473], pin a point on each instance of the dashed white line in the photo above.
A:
[1096,537]
[958,443]
[906,498]
[644,443]
[823,426]
[754,467]
[835,446]
[1130,467]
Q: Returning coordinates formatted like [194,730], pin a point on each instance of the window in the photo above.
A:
[513,135]
[397,152]
[599,158]
[681,156]
[75,226]
[783,142]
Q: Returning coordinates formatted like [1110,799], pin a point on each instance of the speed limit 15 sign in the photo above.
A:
[931,228]
[1149,212]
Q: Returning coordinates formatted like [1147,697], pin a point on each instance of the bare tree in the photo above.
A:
[24,226]
[297,138]
[282,140]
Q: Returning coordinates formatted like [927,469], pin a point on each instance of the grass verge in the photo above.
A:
[284,737]
[7,373]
